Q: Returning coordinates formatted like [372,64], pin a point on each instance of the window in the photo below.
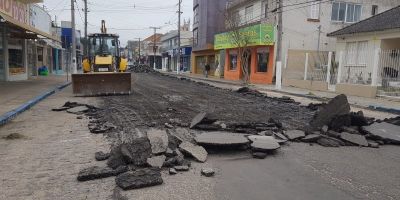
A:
[15,56]
[262,59]
[232,59]
[346,12]
[314,10]
[266,9]
[356,53]
[195,37]
[374,10]
[249,13]
[196,15]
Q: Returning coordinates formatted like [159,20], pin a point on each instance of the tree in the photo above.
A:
[241,40]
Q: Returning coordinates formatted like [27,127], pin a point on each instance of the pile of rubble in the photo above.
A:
[137,161]
[334,125]
[141,69]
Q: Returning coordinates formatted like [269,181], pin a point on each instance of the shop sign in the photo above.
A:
[15,9]
[260,34]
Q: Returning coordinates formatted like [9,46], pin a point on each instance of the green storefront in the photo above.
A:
[259,40]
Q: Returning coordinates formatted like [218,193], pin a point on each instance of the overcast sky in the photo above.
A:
[128,18]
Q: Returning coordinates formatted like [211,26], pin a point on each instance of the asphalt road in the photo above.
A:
[56,146]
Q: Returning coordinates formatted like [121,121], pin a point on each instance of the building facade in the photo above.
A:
[250,35]
[306,48]
[170,49]
[305,25]
[16,32]
[208,19]
[151,51]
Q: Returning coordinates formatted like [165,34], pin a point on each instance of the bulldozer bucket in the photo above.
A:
[101,83]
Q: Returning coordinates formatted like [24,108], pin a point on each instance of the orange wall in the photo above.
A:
[262,77]
[231,74]
[255,77]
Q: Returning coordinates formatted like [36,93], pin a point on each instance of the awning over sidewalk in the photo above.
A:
[26,27]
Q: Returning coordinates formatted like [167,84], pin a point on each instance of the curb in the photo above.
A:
[14,113]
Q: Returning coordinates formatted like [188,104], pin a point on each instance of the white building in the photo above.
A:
[170,49]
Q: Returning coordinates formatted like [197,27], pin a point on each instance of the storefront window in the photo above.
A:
[15,56]
[233,60]
[262,59]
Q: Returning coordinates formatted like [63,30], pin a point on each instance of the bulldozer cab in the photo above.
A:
[103,45]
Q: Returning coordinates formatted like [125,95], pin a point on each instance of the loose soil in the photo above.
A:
[156,99]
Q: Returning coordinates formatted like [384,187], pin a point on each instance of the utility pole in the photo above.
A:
[73,53]
[319,37]
[154,45]
[86,29]
[139,50]
[179,38]
[280,32]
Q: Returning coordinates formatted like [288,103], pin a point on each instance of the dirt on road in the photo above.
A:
[157,99]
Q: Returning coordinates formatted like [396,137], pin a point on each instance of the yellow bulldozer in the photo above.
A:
[104,69]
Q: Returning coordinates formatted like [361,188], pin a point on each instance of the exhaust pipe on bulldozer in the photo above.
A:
[101,84]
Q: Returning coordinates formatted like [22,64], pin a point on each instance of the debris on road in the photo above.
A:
[78,110]
[263,143]
[141,69]
[134,152]
[386,132]
[96,172]
[197,152]
[259,125]
[198,119]
[295,134]
[100,156]
[335,107]
[354,139]
[172,171]
[207,172]
[259,155]
[139,178]
[158,140]
[181,168]
[221,139]
[156,161]
[14,136]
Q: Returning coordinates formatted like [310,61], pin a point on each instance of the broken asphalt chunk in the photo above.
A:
[259,155]
[158,140]
[135,152]
[295,134]
[389,133]
[221,139]
[139,178]
[197,119]
[156,161]
[263,143]
[181,168]
[335,107]
[78,110]
[96,172]
[172,171]
[207,172]
[311,138]
[100,156]
[354,139]
[330,142]
[197,152]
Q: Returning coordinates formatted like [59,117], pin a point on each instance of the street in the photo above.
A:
[44,162]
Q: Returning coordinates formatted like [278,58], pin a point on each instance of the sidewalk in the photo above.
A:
[14,94]
[380,104]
